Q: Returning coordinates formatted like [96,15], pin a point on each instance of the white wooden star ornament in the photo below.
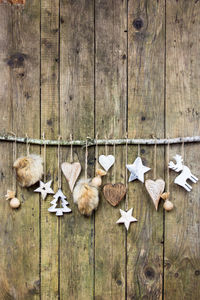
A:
[44,189]
[126,218]
[137,170]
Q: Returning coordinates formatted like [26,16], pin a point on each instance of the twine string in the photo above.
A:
[114,168]
[14,159]
[126,174]
[27,145]
[44,158]
[168,167]
[182,150]
[106,145]
[155,160]
[138,149]
[96,153]
[86,158]
[59,171]
[71,149]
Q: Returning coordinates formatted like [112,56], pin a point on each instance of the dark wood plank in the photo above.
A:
[146,48]
[77,118]
[182,250]
[110,120]
[20,234]
[50,126]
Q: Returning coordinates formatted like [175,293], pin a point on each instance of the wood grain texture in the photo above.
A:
[77,118]
[110,120]
[182,248]
[20,60]
[146,48]
[50,126]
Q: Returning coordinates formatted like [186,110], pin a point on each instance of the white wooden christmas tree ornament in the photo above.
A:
[59,210]
[137,170]
[106,161]
[44,189]
[185,173]
[126,218]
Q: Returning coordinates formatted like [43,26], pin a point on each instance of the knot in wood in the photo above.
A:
[138,23]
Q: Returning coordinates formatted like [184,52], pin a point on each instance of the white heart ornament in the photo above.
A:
[106,161]
[155,190]
[71,172]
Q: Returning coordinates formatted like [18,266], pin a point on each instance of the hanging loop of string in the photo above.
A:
[27,145]
[155,160]
[96,153]
[44,158]
[71,148]
[59,171]
[126,174]
[86,158]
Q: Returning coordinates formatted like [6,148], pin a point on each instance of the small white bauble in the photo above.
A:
[14,203]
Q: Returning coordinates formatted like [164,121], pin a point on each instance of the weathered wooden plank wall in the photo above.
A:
[108,67]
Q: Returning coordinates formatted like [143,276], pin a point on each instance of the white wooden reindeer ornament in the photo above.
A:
[185,174]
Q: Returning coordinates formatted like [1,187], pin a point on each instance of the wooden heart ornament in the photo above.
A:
[114,193]
[155,190]
[71,172]
[106,161]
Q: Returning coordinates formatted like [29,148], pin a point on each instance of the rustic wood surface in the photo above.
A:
[108,67]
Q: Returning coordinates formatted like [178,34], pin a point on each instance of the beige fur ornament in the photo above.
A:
[86,194]
[29,169]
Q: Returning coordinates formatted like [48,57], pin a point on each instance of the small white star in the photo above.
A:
[137,170]
[44,189]
[126,218]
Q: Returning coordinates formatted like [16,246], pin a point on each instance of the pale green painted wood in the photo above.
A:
[110,120]
[50,126]
[146,49]
[77,118]
[182,247]
[20,104]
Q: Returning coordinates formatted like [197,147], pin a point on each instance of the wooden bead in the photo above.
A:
[168,205]
[165,196]
[14,203]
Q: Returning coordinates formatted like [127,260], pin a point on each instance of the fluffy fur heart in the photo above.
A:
[114,193]
[106,161]
[71,172]
[155,190]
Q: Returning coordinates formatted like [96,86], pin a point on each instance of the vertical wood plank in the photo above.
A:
[20,234]
[182,248]
[110,120]
[146,48]
[77,117]
[50,126]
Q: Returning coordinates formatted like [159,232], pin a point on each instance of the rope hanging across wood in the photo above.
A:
[94,142]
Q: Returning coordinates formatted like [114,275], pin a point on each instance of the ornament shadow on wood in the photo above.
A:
[59,210]
[106,161]
[185,173]
[155,190]
[71,172]
[86,194]
[114,193]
